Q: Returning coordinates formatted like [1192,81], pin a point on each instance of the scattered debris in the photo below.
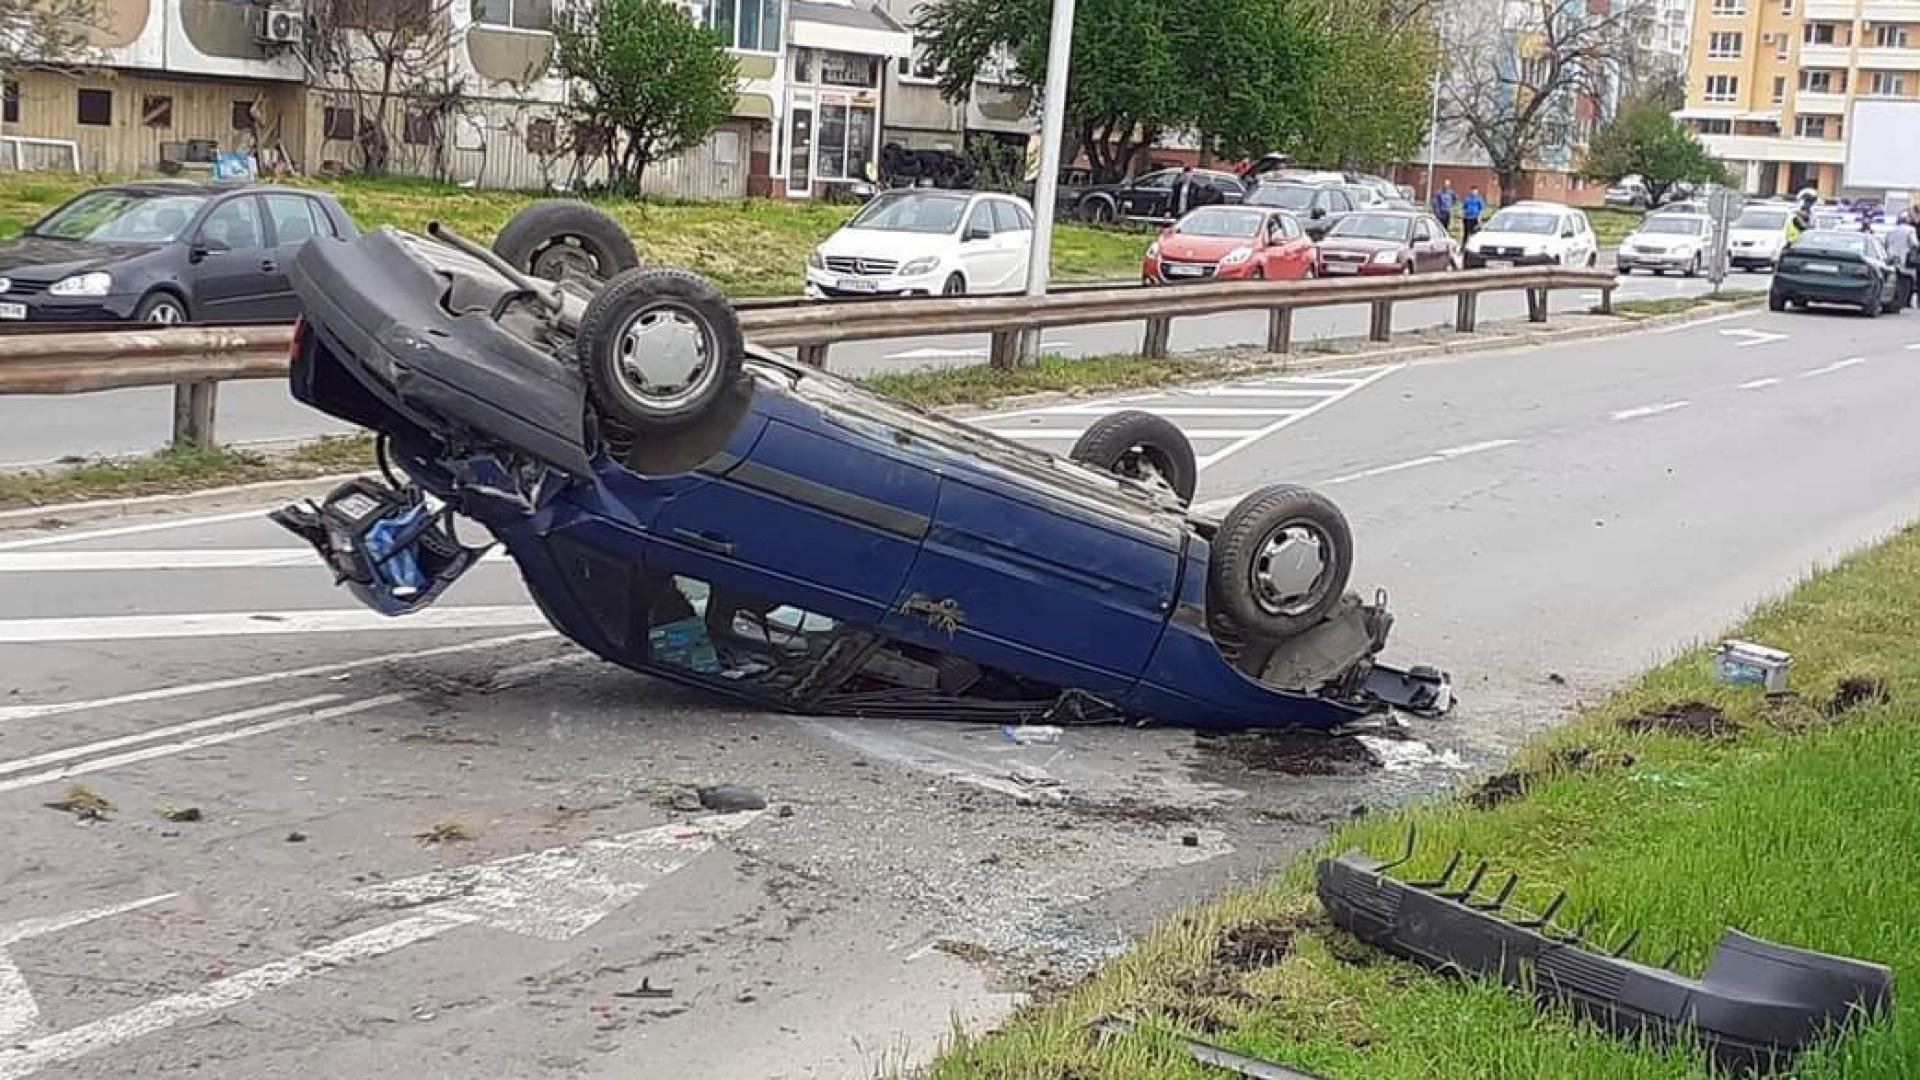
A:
[82,802]
[436,735]
[730,798]
[445,832]
[1498,789]
[1409,755]
[1254,946]
[1556,678]
[970,951]
[1742,663]
[296,837]
[686,800]
[1190,840]
[1219,1057]
[1025,734]
[646,989]
[784,810]
[1504,787]
[180,813]
[1691,719]
[1293,753]
[1855,691]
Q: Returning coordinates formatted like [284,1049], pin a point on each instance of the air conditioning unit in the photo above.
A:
[279,26]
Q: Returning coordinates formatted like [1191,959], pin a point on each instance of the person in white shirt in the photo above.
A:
[1901,243]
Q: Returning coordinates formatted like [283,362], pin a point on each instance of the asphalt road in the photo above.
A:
[1547,520]
[39,430]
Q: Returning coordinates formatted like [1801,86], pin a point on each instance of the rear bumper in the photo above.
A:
[1824,291]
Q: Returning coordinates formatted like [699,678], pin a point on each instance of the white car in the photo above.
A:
[926,242]
[1679,242]
[1534,234]
[1755,238]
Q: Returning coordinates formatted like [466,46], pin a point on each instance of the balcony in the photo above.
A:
[1838,10]
[1891,11]
[1808,103]
[1775,148]
[1889,59]
[1827,56]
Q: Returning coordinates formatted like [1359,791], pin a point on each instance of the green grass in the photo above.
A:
[180,469]
[978,384]
[1799,827]
[1673,305]
[752,248]
[1611,224]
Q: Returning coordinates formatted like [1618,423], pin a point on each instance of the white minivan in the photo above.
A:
[926,242]
[1534,234]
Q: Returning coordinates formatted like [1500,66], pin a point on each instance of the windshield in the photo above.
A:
[1678,226]
[1285,196]
[1525,221]
[1851,243]
[914,212]
[1767,219]
[122,216]
[1373,227]
[1235,224]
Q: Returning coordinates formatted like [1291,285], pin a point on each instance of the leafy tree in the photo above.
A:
[388,62]
[1647,140]
[45,33]
[649,83]
[1368,98]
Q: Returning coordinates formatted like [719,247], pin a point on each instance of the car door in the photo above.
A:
[1430,248]
[1290,252]
[980,251]
[1013,234]
[1150,196]
[292,220]
[229,263]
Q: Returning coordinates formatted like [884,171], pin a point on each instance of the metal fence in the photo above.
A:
[196,359]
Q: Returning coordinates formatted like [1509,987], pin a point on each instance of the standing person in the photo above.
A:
[1470,212]
[1443,204]
[1900,248]
[1183,192]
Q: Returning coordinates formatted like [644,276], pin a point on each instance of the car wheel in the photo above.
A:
[1096,212]
[1871,308]
[659,347]
[557,237]
[1659,272]
[1259,273]
[1693,268]
[1140,446]
[955,285]
[1776,302]
[1280,562]
[1593,259]
[163,309]
[1624,271]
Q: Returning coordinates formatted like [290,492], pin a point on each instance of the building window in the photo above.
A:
[1810,127]
[12,103]
[337,124]
[1729,7]
[96,107]
[1886,36]
[1781,43]
[243,116]
[1723,45]
[1817,33]
[1817,82]
[1723,87]
[1779,89]
[917,68]
[844,141]
[748,25]
[1786,7]
[421,127]
[543,136]
[1886,84]
[1716,127]
[518,14]
[156,111]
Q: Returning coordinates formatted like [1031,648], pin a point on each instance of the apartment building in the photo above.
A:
[1770,82]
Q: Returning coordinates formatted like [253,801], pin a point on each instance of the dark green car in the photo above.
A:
[1833,267]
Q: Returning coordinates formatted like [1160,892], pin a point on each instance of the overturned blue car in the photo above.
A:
[689,506]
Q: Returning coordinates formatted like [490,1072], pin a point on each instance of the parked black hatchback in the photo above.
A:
[166,252]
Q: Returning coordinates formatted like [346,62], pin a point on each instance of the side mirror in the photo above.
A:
[1317,213]
[205,246]
[977,234]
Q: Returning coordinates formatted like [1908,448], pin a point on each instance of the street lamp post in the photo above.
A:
[1053,119]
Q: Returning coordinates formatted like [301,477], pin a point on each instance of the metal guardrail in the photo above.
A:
[195,359]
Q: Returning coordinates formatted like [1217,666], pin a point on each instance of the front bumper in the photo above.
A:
[1336,267]
[1647,260]
[1475,260]
[828,285]
[1160,272]
[42,307]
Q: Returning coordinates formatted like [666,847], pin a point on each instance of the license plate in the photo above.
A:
[1342,267]
[13,311]
[1498,264]
[1177,270]
[1822,268]
[854,284]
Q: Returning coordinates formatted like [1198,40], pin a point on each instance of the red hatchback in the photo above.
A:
[1387,242]
[1231,243]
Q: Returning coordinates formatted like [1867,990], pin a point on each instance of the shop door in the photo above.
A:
[800,154]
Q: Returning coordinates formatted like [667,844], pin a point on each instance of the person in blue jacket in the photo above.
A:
[1470,213]
[1443,204]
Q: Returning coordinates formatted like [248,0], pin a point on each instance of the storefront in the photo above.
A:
[834,77]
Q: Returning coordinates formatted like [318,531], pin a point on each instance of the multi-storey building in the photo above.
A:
[1770,82]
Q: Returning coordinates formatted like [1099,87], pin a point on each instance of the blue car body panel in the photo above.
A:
[884,523]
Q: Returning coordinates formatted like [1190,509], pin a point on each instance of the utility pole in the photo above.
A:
[1433,125]
[1053,121]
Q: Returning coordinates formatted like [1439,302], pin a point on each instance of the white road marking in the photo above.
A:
[559,893]
[1749,338]
[131,530]
[1383,470]
[1650,410]
[1074,433]
[1475,448]
[19,1013]
[1758,384]
[44,562]
[257,624]
[1250,392]
[1245,441]
[934,352]
[1910,348]
[134,757]
[1837,365]
[1694,324]
[1186,410]
[166,693]
[55,757]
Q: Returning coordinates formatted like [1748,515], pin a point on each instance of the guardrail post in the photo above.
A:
[813,356]
[1466,310]
[1280,330]
[1381,328]
[1536,305]
[1606,300]
[1154,345]
[193,411]
[1004,353]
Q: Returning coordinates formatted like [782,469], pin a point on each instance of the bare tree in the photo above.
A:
[46,33]
[1518,72]
[389,62]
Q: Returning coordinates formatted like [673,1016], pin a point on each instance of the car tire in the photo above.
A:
[1097,211]
[659,309]
[163,309]
[1871,308]
[1240,588]
[1693,268]
[1140,446]
[556,236]
[1624,271]
[955,285]
[1776,302]
[1593,259]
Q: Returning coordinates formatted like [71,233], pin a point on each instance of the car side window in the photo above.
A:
[1422,232]
[981,220]
[1289,228]
[1157,180]
[1006,217]
[1025,215]
[292,217]
[322,221]
[1338,201]
[235,223]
